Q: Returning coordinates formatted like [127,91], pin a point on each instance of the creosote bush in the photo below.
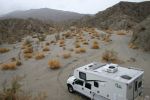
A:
[54,64]
[46,48]
[66,55]
[110,56]
[95,45]
[9,66]
[39,56]
[4,50]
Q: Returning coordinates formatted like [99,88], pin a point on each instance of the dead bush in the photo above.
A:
[46,49]
[28,55]
[9,66]
[95,45]
[82,50]
[106,38]
[54,64]
[47,43]
[18,62]
[39,56]
[77,45]
[110,56]
[66,55]
[28,50]
[4,50]
[121,33]
[133,46]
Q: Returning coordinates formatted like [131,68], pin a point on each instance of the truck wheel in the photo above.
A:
[70,89]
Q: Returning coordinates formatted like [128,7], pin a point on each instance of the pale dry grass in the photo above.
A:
[9,66]
[95,45]
[28,50]
[80,50]
[54,64]
[106,38]
[4,50]
[110,56]
[66,55]
[121,33]
[39,56]
[28,55]
[77,45]
[46,48]
[132,46]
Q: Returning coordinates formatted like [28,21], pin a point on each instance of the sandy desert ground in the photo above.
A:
[38,77]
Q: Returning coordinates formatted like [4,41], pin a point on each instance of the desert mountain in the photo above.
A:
[44,14]
[123,15]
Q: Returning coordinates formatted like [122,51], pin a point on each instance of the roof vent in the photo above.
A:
[111,68]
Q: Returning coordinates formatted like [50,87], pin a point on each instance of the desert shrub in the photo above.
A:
[4,50]
[133,46]
[77,50]
[9,66]
[47,43]
[110,56]
[85,43]
[46,49]
[61,41]
[54,64]
[66,55]
[28,50]
[82,50]
[95,45]
[28,55]
[18,62]
[39,56]
[77,45]
[121,33]
[11,90]
[106,38]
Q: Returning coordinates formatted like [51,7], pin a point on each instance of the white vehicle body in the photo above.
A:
[107,82]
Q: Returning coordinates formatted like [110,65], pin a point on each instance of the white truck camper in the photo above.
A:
[107,82]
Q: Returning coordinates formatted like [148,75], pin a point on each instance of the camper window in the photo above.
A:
[136,86]
[79,82]
[88,85]
[140,84]
[96,84]
[82,75]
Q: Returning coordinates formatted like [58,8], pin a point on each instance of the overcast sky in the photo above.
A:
[81,6]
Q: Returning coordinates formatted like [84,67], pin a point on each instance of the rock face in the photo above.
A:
[141,34]
[123,15]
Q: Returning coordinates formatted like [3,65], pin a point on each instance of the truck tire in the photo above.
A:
[70,89]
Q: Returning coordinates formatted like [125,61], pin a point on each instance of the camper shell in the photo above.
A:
[107,82]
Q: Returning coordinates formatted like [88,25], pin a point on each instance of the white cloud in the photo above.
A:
[81,6]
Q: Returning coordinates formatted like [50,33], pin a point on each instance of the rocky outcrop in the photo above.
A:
[141,34]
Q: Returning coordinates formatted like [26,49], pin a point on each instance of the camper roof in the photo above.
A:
[112,71]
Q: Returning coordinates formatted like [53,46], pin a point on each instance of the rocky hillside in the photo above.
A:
[12,30]
[141,34]
[44,14]
[123,15]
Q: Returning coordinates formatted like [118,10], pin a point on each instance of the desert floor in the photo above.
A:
[39,78]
